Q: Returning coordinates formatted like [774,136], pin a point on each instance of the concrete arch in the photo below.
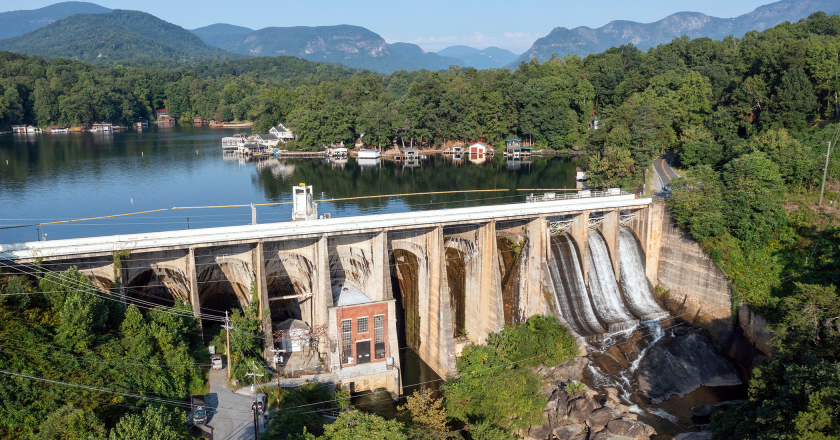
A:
[160,280]
[406,280]
[353,264]
[226,276]
[290,274]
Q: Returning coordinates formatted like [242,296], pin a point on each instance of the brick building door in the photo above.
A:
[363,352]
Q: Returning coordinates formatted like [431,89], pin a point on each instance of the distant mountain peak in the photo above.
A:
[14,23]
[584,41]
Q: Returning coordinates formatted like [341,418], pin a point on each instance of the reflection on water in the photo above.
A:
[416,376]
[81,175]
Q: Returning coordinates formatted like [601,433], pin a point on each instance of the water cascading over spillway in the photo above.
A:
[637,292]
[570,288]
[604,289]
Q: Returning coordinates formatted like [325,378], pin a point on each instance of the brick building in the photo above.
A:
[361,325]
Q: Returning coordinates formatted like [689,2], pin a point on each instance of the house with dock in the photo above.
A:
[478,148]
[102,127]
[515,149]
[269,140]
[18,129]
[282,132]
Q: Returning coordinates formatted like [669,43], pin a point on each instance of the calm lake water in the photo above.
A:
[52,177]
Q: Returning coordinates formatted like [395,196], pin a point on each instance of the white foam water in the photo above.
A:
[637,294]
[570,289]
[602,285]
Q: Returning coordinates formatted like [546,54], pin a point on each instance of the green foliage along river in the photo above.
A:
[52,177]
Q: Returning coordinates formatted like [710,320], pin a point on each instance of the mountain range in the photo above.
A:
[118,35]
[584,41]
[90,32]
[16,23]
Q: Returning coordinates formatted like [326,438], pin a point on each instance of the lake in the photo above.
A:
[53,177]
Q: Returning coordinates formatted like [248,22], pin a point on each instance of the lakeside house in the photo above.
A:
[269,140]
[102,127]
[514,148]
[478,148]
[282,132]
[337,149]
[18,129]
[161,114]
[198,120]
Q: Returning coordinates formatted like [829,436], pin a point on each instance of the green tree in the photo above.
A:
[353,425]
[424,417]
[754,195]
[154,423]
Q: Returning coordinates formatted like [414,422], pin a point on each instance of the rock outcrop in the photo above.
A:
[582,417]
[682,363]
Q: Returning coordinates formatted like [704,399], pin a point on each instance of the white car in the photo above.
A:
[216,362]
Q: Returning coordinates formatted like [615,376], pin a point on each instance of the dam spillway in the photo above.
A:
[570,288]
[603,287]
[637,294]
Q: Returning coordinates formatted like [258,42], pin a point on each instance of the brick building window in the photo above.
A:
[347,339]
[362,324]
[379,336]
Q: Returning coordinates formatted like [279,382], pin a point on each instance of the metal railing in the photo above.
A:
[583,194]
[560,226]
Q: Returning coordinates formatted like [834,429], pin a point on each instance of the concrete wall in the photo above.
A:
[699,290]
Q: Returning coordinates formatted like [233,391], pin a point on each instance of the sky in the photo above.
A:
[431,24]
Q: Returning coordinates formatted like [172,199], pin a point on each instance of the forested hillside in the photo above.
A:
[14,23]
[118,36]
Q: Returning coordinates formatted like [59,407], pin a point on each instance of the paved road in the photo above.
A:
[229,413]
[662,165]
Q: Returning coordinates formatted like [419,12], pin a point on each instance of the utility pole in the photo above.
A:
[255,408]
[227,344]
[825,171]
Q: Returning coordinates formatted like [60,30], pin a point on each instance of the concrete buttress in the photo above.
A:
[610,230]
[490,306]
[580,233]
[194,300]
[262,291]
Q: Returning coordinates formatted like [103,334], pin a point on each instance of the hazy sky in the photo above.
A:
[432,24]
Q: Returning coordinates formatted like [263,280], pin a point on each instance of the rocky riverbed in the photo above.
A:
[648,383]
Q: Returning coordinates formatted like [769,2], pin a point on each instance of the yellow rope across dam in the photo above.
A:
[347,198]
[548,189]
[84,219]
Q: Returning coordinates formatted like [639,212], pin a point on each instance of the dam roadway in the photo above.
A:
[445,278]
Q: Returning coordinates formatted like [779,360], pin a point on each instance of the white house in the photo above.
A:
[478,148]
[282,133]
[269,140]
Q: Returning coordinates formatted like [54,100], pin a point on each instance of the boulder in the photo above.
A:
[600,417]
[703,435]
[682,363]
[606,435]
[619,407]
[568,432]
[539,432]
[612,394]
[630,428]
[580,409]
[558,402]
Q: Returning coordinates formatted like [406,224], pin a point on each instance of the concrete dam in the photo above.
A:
[441,278]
